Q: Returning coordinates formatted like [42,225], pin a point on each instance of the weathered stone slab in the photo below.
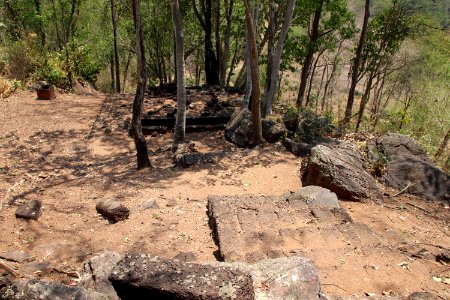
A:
[112,210]
[17,256]
[140,276]
[29,211]
[251,228]
[340,169]
[33,289]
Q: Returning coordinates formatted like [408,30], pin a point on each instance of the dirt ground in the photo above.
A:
[73,151]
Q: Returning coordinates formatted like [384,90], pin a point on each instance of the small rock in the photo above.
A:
[151,204]
[30,210]
[17,256]
[112,210]
[172,203]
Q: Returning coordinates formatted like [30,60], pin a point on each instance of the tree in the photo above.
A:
[211,62]
[116,51]
[272,80]
[356,68]
[256,92]
[180,125]
[139,139]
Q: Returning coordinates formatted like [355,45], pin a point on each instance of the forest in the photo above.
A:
[377,66]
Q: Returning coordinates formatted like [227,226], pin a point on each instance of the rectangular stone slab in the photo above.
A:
[250,228]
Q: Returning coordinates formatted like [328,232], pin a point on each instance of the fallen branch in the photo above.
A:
[8,269]
[335,285]
[402,191]
[418,207]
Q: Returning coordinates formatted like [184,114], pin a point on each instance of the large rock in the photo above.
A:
[421,178]
[273,131]
[394,145]
[312,126]
[33,289]
[96,272]
[239,129]
[340,169]
[141,276]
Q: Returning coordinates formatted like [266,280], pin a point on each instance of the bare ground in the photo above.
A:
[74,151]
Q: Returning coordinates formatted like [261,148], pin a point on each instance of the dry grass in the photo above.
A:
[6,88]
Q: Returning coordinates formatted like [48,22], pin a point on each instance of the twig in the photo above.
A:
[8,269]
[402,191]
[432,245]
[418,207]
[335,286]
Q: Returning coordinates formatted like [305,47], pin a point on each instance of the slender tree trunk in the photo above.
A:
[125,71]
[311,80]
[355,69]
[256,93]
[444,145]
[272,87]
[219,51]
[180,125]
[40,28]
[248,62]
[139,140]
[364,100]
[228,6]
[116,51]
[111,68]
[327,91]
[306,68]
[233,62]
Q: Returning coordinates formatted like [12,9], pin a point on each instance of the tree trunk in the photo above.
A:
[116,51]
[355,69]
[311,79]
[248,54]
[219,52]
[364,100]
[272,87]
[256,93]
[139,140]
[180,125]
[331,80]
[111,68]
[228,5]
[443,146]
[309,56]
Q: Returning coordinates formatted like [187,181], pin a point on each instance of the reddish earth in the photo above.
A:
[73,151]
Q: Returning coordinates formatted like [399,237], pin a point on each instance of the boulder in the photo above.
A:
[34,289]
[141,276]
[393,145]
[273,131]
[96,271]
[340,169]
[290,120]
[112,210]
[315,196]
[30,210]
[239,129]
[421,178]
[303,149]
